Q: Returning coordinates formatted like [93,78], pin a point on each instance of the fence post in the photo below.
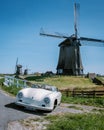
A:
[73,93]
[94,93]
[24,85]
[17,83]
[67,93]
[82,93]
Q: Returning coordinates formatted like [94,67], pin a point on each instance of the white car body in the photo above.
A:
[41,98]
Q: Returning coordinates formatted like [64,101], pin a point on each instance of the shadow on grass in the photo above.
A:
[25,110]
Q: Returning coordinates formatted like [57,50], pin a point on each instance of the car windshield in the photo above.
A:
[35,86]
[46,87]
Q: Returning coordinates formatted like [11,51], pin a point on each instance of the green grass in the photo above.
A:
[101,79]
[63,82]
[84,101]
[12,89]
[76,122]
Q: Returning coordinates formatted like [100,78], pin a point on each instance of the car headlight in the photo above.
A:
[20,95]
[47,100]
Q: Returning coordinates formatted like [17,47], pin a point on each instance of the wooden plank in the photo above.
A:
[92,93]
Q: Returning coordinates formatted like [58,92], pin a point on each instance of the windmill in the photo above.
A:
[18,68]
[70,62]
[26,71]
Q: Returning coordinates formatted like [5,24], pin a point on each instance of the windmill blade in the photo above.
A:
[56,35]
[16,65]
[91,39]
[53,35]
[76,18]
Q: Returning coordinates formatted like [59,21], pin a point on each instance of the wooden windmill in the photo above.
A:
[70,62]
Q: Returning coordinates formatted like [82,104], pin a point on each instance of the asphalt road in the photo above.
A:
[11,112]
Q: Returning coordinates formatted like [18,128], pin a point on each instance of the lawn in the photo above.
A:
[63,82]
[98,102]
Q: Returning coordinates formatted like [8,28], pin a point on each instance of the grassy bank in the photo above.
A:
[63,82]
[76,122]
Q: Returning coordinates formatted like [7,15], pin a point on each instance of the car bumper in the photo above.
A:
[34,107]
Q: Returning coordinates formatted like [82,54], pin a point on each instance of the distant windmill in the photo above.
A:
[18,68]
[70,62]
[26,71]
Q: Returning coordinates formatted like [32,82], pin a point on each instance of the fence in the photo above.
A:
[84,93]
[10,81]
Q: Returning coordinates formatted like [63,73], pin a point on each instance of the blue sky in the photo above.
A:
[20,24]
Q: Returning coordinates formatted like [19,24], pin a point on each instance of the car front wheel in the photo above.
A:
[55,104]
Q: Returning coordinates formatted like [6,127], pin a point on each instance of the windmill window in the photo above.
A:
[60,71]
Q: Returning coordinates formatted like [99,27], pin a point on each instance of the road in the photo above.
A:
[10,112]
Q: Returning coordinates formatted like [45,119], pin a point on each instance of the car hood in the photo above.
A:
[36,93]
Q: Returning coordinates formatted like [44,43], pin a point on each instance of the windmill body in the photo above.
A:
[70,62]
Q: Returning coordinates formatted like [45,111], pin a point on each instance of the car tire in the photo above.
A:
[55,104]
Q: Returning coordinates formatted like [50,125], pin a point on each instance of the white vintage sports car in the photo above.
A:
[42,97]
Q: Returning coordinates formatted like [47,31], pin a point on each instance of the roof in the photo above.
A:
[65,42]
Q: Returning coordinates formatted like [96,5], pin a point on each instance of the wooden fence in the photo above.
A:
[83,93]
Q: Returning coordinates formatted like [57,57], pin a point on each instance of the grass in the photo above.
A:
[101,79]
[99,102]
[11,89]
[63,81]
[67,122]
[76,122]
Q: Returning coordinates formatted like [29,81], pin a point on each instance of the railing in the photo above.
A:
[12,81]
[84,93]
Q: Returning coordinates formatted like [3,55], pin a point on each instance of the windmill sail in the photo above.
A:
[76,16]
[16,65]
